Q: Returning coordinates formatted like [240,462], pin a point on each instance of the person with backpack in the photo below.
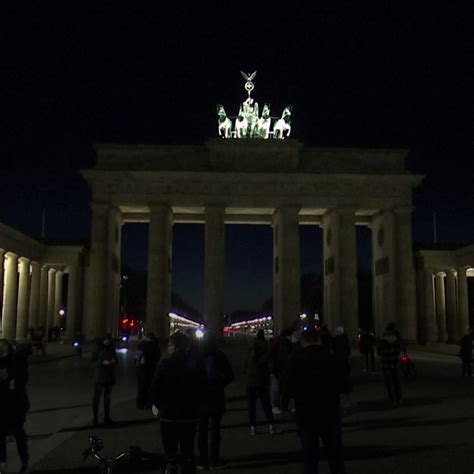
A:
[219,375]
[149,355]
[316,379]
[258,376]
[178,390]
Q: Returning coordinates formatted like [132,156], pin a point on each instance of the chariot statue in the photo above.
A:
[248,124]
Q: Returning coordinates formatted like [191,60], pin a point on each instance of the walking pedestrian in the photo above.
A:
[257,372]
[14,403]
[315,380]
[149,355]
[465,353]
[219,375]
[366,347]
[177,393]
[105,359]
[389,353]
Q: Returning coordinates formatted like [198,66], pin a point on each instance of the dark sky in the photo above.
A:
[78,73]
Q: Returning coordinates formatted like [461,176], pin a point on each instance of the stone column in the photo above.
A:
[34,305]
[72,302]
[440,307]
[405,281]
[43,300]
[113,270]
[463,302]
[51,298]
[95,305]
[340,271]
[214,268]
[431,326]
[23,298]
[383,270]
[453,336]
[10,296]
[2,252]
[158,301]
[286,268]
[58,294]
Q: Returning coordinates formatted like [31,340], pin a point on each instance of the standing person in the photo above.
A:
[315,380]
[257,372]
[105,359]
[177,393]
[14,403]
[219,375]
[326,336]
[389,353]
[465,353]
[366,346]
[342,353]
[279,353]
[149,355]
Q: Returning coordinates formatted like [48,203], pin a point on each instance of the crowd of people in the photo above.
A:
[307,370]
[303,372]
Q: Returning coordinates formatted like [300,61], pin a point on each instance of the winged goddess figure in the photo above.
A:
[249,85]
[249,77]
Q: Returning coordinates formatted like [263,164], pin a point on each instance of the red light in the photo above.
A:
[132,323]
[404,359]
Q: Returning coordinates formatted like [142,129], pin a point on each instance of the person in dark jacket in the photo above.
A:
[105,359]
[326,336]
[315,380]
[177,393]
[258,376]
[149,355]
[219,374]
[14,403]
[279,352]
[465,353]
[366,347]
[389,352]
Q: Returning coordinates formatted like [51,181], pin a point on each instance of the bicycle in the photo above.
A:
[107,465]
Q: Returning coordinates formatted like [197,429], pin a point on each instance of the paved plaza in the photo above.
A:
[431,433]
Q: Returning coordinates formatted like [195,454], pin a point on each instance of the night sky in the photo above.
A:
[373,75]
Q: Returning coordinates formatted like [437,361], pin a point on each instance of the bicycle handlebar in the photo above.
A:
[97,445]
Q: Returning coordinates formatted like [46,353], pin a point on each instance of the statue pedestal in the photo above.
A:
[254,154]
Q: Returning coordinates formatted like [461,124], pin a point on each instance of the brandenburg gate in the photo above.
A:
[279,183]
[255,174]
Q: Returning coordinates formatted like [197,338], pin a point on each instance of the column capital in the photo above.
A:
[24,260]
[51,270]
[11,256]
[159,207]
[35,264]
[214,205]
[215,209]
[339,210]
